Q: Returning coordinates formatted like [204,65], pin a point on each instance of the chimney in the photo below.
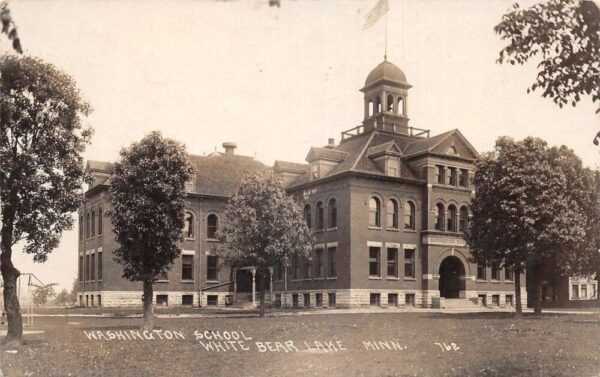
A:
[330,143]
[229,148]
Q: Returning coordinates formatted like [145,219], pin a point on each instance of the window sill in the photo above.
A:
[393,229]
[306,279]
[212,282]
[374,277]
[410,279]
[212,240]
[295,280]
[319,278]
[509,281]
[494,281]
[392,278]
[331,278]
[410,230]
[187,281]
[189,239]
[374,227]
[162,281]
[319,230]
[481,281]
[332,229]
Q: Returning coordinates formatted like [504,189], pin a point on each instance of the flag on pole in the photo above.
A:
[376,13]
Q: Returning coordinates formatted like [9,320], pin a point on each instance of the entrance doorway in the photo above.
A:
[452,277]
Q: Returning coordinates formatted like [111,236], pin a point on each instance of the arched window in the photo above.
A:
[81,227]
[212,225]
[320,216]
[377,105]
[100,221]
[400,106]
[374,212]
[87,225]
[392,213]
[332,209]
[440,217]
[390,104]
[93,223]
[464,218]
[307,216]
[188,225]
[409,216]
[371,108]
[451,218]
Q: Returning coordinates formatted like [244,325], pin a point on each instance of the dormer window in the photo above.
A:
[315,171]
[393,167]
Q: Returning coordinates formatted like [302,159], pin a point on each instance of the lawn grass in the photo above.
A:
[486,344]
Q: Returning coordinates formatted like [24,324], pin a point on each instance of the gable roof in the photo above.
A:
[430,144]
[388,147]
[328,154]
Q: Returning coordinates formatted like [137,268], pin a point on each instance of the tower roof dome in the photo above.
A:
[386,71]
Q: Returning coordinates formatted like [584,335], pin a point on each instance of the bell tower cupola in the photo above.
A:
[386,93]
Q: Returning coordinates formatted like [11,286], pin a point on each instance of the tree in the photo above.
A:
[148,198]
[63,297]
[565,35]
[9,28]
[530,210]
[264,227]
[42,139]
[42,292]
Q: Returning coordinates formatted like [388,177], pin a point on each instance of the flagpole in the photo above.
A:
[385,42]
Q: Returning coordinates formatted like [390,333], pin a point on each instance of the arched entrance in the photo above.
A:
[452,277]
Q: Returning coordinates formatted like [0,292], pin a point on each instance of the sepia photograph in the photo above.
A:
[300,188]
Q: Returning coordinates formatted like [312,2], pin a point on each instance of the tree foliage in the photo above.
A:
[264,226]
[42,138]
[9,28]
[565,36]
[43,292]
[533,208]
[147,191]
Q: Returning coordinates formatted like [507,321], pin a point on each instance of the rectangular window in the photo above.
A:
[162,300]
[99,300]
[307,268]
[463,177]
[212,300]
[187,267]
[331,297]
[295,300]
[495,300]
[92,300]
[481,271]
[440,174]
[583,290]
[187,300]
[452,177]
[81,268]
[307,300]
[320,264]
[409,263]
[392,262]
[574,291]
[509,300]
[374,261]
[495,271]
[375,299]
[93,267]
[508,273]
[392,299]
[393,167]
[332,252]
[409,299]
[318,300]
[87,267]
[100,265]
[296,263]
[212,268]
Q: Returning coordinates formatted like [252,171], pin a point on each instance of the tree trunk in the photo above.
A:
[261,289]
[148,308]
[536,280]
[518,308]
[10,275]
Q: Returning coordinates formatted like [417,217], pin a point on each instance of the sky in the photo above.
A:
[279,80]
